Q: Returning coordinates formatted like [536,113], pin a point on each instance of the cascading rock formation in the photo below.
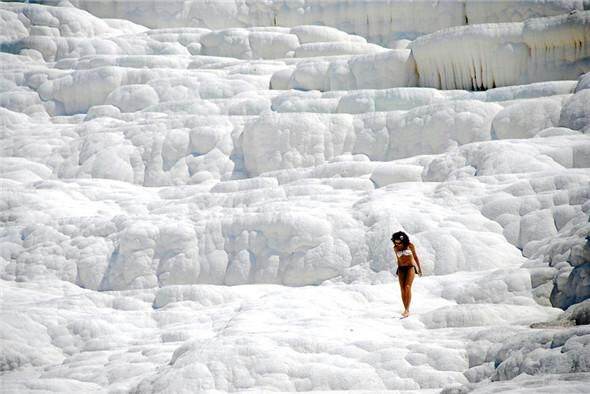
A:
[198,196]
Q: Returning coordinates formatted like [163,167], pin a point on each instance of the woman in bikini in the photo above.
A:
[407,265]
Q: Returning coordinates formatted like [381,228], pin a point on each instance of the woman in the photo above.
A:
[407,265]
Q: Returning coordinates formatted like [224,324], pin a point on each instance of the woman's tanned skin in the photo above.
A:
[406,264]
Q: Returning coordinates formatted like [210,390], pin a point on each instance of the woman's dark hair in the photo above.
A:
[401,236]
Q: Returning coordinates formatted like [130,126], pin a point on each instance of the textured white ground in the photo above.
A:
[177,218]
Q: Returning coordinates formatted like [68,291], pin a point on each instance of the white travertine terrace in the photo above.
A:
[198,196]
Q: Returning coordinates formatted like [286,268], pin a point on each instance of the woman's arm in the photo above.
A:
[416,259]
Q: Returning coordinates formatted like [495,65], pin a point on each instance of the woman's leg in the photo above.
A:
[406,289]
[403,278]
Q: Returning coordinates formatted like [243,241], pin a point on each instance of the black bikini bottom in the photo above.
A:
[405,269]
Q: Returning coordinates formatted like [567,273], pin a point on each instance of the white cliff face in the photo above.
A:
[381,21]
[195,204]
[490,55]
[479,57]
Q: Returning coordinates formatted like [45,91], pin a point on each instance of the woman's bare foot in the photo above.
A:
[406,313]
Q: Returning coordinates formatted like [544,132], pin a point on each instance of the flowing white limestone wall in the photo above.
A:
[482,11]
[380,21]
[465,57]
[490,55]
[558,45]
[474,57]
